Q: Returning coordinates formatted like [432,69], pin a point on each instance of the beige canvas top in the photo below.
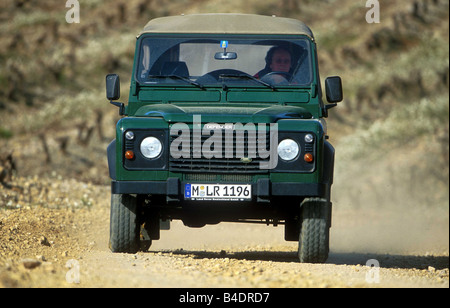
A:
[227,24]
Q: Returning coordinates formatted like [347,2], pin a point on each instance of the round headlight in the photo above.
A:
[288,149]
[151,147]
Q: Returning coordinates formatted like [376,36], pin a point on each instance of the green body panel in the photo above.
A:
[218,113]
[282,97]
[132,123]
[173,95]
[235,98]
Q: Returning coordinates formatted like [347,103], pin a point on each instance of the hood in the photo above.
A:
[223,114]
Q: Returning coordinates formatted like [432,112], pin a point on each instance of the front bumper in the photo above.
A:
[262,189]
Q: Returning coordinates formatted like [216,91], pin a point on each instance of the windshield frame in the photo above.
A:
[252,39]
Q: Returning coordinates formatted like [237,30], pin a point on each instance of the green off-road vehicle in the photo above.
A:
[225,123]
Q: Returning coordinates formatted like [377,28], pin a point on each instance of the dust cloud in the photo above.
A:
[389,206]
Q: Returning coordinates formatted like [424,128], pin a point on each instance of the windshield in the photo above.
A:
[219,62]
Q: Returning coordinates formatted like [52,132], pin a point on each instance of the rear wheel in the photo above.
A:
[124,224]
[315,231]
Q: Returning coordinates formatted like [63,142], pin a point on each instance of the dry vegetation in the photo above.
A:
[391,132]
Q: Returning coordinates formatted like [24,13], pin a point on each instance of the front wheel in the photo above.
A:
[124,224]
[315,231]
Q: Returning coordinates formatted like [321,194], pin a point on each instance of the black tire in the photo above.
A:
[315,231]
[124,224]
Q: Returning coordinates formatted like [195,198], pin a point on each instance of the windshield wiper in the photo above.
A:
[246,76]
[179,78]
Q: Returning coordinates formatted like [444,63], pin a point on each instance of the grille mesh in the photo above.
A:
[222,164]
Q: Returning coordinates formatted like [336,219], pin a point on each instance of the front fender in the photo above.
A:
[328,163]
[111,153]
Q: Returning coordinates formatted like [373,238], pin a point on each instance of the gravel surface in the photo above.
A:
[64,244]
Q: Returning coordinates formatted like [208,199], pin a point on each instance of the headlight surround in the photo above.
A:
[151,147]
[288,149]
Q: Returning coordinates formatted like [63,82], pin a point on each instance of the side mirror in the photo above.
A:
[113,91]
[112,87]
[333,89]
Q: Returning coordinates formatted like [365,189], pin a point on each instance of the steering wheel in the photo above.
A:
[213,77]
[272,79]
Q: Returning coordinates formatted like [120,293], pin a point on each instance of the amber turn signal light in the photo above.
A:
[309,158]
[129,155]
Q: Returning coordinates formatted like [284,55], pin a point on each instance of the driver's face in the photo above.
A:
[281,61]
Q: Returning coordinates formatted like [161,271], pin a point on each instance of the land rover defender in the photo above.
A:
[225,123]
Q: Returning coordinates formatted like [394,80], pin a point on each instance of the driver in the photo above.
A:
[278,59]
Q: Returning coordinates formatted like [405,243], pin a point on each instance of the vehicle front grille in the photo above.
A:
[211,177]
[234,165]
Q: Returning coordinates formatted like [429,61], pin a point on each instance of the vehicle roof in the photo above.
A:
[227,24]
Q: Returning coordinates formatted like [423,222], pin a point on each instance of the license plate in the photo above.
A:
[218,192]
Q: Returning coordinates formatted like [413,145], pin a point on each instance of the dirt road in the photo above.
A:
[66,246]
